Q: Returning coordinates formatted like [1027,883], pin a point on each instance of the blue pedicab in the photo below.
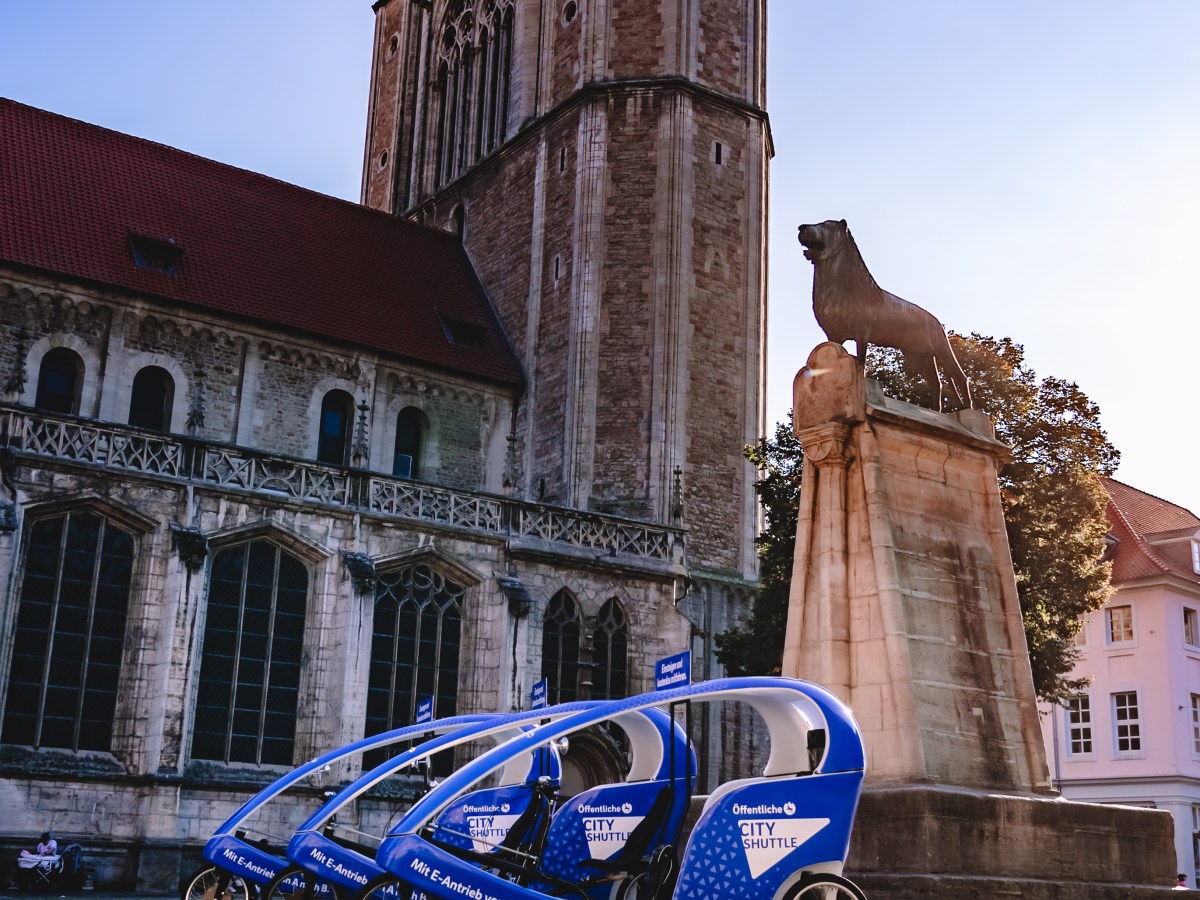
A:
[243,859]
[505,827]
[783,835]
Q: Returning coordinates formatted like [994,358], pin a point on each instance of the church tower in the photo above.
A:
[605,162]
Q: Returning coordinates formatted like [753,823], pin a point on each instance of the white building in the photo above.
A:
[1133,735]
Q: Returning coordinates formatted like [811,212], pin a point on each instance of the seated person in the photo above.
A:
[47,846]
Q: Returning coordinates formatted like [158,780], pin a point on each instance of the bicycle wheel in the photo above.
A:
[632,888]
[825,887]
[295,882]
[385,887]
[211,883]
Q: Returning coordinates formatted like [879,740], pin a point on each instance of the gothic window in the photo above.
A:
[561,631]
[333,438]
[250,656]
[407,456]
[610,675]
[473,83]
[60,381]
[415,638]
[70,633]
[151,399]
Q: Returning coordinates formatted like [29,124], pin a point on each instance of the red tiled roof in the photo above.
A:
[72,193]
[1133,515]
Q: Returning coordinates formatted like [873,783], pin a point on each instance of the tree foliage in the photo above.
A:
[1053,505]
[756,648]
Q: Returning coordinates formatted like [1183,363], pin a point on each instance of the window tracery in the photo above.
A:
[562,629]
[473,82]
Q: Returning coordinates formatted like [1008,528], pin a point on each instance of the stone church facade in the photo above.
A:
[275,466]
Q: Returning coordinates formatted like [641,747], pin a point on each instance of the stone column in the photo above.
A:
[824,558]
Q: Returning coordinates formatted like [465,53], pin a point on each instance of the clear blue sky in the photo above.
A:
[1019,168]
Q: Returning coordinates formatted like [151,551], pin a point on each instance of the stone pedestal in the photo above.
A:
[904,604]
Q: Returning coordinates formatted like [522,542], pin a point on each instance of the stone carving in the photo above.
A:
[849,305]
[191,544]
[362,570]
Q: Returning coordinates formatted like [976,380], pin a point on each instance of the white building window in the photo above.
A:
[1191,627]
[1081,636]
[1079,725]
[1127,722]
[1196,725]
[1196,555]
[1120,624]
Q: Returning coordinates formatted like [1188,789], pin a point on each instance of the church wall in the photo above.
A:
[725,312]
[721,51]
[249,384]
[636,38]
[633,258]
[566,38]
[388,106]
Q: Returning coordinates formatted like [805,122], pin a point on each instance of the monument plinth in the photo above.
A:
[904,604]
[903,597]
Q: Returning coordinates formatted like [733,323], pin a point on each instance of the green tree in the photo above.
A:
[756,648]
[1053,505]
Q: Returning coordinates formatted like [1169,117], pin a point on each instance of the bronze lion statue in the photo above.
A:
[849,305]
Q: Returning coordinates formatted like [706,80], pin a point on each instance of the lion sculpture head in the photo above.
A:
[851,306]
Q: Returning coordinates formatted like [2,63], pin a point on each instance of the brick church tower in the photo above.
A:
[605,162]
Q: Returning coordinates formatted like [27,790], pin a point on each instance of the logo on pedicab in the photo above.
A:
[487,831]
[767,841]
[789,808]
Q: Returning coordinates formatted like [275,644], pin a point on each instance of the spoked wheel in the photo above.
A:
[211,883]
[825,887]
[386,887]
[656,883]
[296,883]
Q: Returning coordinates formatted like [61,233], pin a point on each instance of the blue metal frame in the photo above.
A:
[755,838]
[228,848]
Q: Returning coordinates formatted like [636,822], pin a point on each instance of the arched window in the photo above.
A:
[333,439]
[407,457]
[250,656]
[610,676]
[472,84]
[561,631]
[151,399]
[60,381]
[70,634]
[415,637]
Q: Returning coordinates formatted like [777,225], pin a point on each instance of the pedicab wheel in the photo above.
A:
[210,883]
[658,881]
[824,887]
[378,889]
[297,883]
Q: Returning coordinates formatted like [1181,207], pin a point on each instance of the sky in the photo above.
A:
[1019,168]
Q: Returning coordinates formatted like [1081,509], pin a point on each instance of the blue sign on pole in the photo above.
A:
[673,671]
[537,696]
[424,710]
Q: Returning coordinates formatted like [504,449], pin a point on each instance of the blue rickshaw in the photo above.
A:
[245,852]
[782,835]
[506,825]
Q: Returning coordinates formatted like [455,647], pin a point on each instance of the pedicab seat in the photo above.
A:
[611,829]
[641,840]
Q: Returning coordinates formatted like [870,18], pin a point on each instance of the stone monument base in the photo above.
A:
[922,843]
